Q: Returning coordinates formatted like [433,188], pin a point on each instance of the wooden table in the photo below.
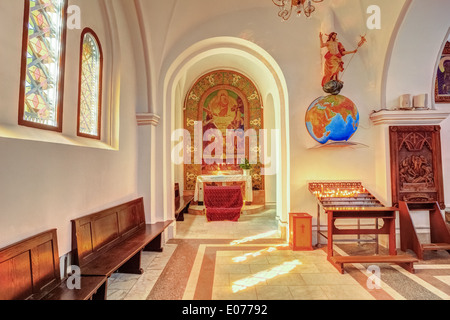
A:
[351,200]
[387,214]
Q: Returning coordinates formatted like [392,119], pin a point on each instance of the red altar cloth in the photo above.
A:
[223,202]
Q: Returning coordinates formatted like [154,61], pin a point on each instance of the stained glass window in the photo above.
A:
[42,64]
[89,110]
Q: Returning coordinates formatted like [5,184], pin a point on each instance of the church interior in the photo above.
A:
[225,150]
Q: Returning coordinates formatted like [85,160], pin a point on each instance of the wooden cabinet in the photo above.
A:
[300,231]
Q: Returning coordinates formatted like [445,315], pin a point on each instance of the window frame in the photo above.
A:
[100,85]
[24,68]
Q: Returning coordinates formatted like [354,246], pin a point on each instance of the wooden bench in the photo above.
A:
[112,240]
[181,203]
[30,270]
[405,261]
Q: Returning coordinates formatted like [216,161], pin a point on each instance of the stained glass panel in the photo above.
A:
[89,109]
[43,63]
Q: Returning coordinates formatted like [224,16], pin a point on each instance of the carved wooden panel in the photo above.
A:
[416,164]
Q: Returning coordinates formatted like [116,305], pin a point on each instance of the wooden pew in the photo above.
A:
[112,240]
[29,270]
[181,203]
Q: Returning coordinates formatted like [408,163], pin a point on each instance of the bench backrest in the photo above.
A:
[95,233]
[29,269]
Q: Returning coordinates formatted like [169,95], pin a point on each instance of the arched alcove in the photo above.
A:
[249,59]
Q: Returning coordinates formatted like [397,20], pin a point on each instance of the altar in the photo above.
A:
[223,179]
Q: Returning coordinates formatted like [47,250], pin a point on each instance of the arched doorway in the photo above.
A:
[249,59]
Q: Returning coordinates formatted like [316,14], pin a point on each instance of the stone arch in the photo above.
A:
[244,57]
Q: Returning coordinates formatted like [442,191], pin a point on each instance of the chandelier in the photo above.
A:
[286,7]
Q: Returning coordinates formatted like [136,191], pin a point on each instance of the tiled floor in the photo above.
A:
[137,287]
[263,224]
[246,260]
[281,275]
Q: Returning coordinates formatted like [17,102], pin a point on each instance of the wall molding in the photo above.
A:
[400,117]
[145,119]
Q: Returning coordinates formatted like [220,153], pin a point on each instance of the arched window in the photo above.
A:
[90,88]
[42,73]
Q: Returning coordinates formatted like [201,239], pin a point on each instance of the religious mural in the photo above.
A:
[223,100]
[333,117]
[223,109]
[334,64]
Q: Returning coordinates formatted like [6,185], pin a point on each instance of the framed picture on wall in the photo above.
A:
[442,86]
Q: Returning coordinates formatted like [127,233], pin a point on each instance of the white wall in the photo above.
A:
[47,178]
[294,46]
[270,124]
[414,60]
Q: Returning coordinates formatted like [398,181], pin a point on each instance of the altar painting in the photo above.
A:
[223,109]
[223,100]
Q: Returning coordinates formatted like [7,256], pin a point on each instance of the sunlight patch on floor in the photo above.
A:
[252,238]
[245,256]
[253,280]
